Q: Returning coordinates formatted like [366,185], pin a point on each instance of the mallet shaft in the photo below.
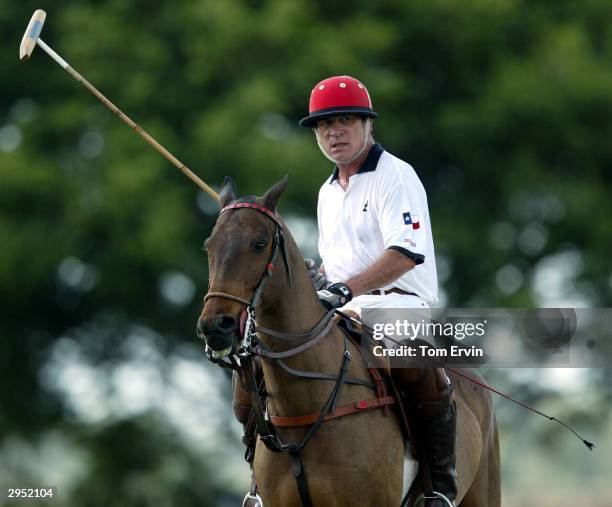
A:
[137,128]
[63,63]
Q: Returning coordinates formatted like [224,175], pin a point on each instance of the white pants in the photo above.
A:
[386,309]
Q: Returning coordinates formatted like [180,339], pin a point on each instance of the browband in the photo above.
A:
[258,207]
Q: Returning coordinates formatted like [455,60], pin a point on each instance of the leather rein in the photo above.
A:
[242,359]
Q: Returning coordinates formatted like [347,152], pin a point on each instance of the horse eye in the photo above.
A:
[259,246]
[205,245]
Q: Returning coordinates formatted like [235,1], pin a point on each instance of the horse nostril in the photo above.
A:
[201,329]
[226,324]
[216,328]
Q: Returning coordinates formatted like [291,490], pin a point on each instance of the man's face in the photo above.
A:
[341,137]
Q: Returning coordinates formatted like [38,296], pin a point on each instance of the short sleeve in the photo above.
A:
[403,215]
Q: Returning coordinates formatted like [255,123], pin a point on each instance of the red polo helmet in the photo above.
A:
[338,95]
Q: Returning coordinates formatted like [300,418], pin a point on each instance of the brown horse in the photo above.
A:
[353,460]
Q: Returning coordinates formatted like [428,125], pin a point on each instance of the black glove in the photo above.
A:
[335,295]
[318,278]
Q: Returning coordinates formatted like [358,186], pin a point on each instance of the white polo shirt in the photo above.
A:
[383,207]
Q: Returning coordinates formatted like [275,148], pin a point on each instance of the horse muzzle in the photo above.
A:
[220,333]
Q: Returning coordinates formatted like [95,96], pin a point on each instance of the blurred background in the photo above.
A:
[503,108]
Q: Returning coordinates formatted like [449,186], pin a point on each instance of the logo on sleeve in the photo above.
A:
[365,207]
[411,220]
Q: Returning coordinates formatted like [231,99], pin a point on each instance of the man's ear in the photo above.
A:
[272,196]
[227,192]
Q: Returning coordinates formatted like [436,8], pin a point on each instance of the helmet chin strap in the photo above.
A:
[367,132]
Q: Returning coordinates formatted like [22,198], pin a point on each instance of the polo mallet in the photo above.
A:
[31,38]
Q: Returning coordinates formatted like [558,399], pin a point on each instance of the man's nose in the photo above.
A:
[336,128]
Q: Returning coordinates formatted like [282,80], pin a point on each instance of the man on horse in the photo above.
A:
[377,250]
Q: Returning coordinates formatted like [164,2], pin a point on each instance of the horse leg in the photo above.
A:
[485,490]
[478,442]
[242,405]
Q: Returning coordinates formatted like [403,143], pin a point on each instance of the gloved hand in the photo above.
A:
[335,295]
[318,278]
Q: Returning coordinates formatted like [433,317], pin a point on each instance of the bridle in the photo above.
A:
[250,345]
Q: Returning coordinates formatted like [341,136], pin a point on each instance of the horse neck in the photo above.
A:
[296,310]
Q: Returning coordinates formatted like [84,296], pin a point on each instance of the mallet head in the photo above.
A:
[32,33]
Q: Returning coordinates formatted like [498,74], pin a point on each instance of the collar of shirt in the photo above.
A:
[369,164]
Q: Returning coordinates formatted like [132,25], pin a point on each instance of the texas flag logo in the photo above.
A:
[411,220]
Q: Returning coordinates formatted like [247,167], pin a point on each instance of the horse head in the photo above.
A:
[246,242]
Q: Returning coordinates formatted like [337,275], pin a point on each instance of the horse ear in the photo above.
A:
[272,196]
[227,192]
